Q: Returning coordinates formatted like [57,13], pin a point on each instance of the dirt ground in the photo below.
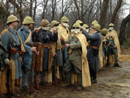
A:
[113,82]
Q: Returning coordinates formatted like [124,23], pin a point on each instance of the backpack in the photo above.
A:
[2,55]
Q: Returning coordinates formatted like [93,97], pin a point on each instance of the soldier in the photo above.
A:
[76,60]
[25,34]
[93,50]
[93,23]
[57,51]
[13,43]
[64,33]
[114,47]
[86,27]
[44,36]
[81,24]
[105,42]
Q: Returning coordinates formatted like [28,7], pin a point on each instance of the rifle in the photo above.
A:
[55,66]
[36,69]
[8,76]
[31,77]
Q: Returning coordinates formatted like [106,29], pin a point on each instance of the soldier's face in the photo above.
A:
[15,24]
[30,26]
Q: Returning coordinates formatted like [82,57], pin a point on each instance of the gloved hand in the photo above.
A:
[6,61]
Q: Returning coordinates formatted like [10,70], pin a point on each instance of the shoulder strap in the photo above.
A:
[29,36]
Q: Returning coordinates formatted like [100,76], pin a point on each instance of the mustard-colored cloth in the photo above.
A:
[86,81]
[3,88]
[63,32]
[101,55]
[113,33]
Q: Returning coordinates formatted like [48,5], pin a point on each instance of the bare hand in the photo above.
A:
[33,49]
[67,45]
[84,29]
[54,30]
[37,52]
[115,47]
[61,39]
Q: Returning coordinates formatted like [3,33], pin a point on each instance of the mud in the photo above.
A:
[113,82]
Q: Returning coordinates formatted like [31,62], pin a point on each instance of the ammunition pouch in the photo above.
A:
[14,51]
[95,50]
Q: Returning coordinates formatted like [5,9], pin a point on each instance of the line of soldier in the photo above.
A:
[54,53]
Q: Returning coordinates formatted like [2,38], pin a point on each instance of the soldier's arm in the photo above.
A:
[21,33]
[66,42]
[75,45]
[6,40]
[53,37]
[90,37]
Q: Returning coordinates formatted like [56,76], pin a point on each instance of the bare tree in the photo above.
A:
[104,13]
[116,10]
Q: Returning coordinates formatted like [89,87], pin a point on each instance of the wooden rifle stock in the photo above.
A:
[36,69]
[31,77]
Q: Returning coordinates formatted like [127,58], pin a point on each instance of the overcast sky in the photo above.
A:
[127,11]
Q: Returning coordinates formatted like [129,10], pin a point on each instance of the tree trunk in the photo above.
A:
[116,11]
[31,4]
[82,9]
[77,8]
[19,9]
[122,29]
[104,13]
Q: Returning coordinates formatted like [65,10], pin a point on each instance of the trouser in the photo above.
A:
[70,67]
[92,73]
[26,74]
[114,51]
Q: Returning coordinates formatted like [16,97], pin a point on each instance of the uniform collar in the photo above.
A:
[12,31]
[27,30]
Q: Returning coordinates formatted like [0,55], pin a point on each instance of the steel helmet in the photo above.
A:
[11,18]
[64,19]
[85,26]
[45,23]
[54,22]
[76,25]
[94,22]
[111,25]
[97,27]
[104,31]
[28,20]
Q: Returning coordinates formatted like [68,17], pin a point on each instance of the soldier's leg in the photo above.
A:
[26,73]
[45,65]
[23,78]
[116,57]
[94,75]
[60,62]
[67,69]
[79,72]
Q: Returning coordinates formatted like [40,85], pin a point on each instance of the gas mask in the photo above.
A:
[87,30]
[76,31]
[110,29]
[45,28]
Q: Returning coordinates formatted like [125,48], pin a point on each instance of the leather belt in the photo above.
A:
[94,47]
